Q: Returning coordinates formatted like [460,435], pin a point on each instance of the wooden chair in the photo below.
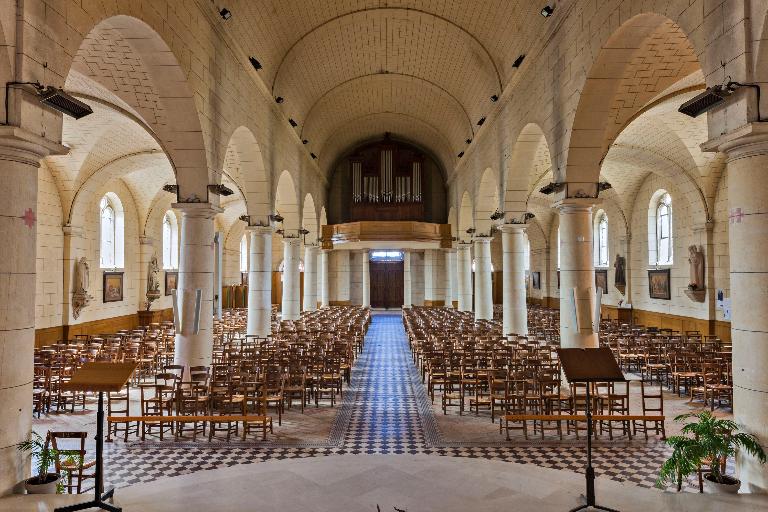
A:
[71,459]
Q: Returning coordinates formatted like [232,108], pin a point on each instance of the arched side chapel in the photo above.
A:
[285,188]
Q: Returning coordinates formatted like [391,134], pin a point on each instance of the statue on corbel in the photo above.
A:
[80,296]
[153,281]
[620,276]
[696,290]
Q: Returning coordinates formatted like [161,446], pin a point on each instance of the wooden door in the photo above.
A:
[386,284]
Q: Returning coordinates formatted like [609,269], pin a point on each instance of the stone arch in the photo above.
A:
[486,201]
[323,220]
[309,219]
[287,204]
[466,220]
[155,88]
[647,48]
[244,164]
[529,160]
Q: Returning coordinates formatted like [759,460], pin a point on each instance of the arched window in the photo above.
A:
[601,240]
[170,242]
[244,254]
[111,232]
[660,241]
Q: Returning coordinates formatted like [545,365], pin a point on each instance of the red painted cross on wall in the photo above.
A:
[29,218]
[736,216]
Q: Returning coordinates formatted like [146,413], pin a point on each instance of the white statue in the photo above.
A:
[80,297]
[696,261]
[153,282]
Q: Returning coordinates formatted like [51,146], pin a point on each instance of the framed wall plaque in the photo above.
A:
[171,281]
[659,284]
[536,280]
[112,289]
[601,279]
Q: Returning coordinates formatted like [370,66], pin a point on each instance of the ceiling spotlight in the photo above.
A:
[471,230]
[604,185]
[518,61]
[279,99]
[276,218]
[303,231]
[221,190]
[547,11]
[63,102]
[710,98]
[256,64]
[460,154]
[551,187]
[173,189]
[305,142]
[494,98]
[225,13]
[314,156]
[293,123]
[498,214]
[468,141]
[481,121]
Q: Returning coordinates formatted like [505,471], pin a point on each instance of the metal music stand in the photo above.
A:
[590,365]
[100,378]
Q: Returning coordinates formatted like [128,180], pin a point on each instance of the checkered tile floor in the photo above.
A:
[385,411]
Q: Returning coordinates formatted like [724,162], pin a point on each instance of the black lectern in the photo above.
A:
[590,365]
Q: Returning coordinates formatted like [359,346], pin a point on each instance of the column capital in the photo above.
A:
[292,241]
[20,145]
[576,204]
[482,240]
[449,250]
[513,228]
[197,210]
[748,140]
[260,230]
[73,231]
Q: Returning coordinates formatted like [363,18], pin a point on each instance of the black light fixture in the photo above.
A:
[471,231]
[279,99]
[461,154]
[305,142]
[547,11]
[256,64]
[245,218]
[518,61]
[497,215]
[173,189]
[225,13]
[293,123]
[276,218]
[468,141]
[220,190]
[551,187]
[314,156]
[64,103]
[604,185]
[494,98]
[481,121]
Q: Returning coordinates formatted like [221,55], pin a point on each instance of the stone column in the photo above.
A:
[291,309]
[430,278]
[260,281]
[342,259]
[324,282]
[195,273]
[577,271]
[310,278]
[464,281]
[747,174]
[483,280]
[407,284]
[366,279]
[515,316]
[20,154]
[218,273]
[450,277]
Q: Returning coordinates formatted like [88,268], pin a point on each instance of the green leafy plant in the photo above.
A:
[42,454]
[710,441]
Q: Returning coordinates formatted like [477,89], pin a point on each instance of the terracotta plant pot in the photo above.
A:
[47,487]
[730,485]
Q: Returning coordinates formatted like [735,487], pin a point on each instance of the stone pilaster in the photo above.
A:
[407,283]
[366,279]
[325,292]
[515,312]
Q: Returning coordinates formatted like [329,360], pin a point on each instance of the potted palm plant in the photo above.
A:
[707,441]
[43,456]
